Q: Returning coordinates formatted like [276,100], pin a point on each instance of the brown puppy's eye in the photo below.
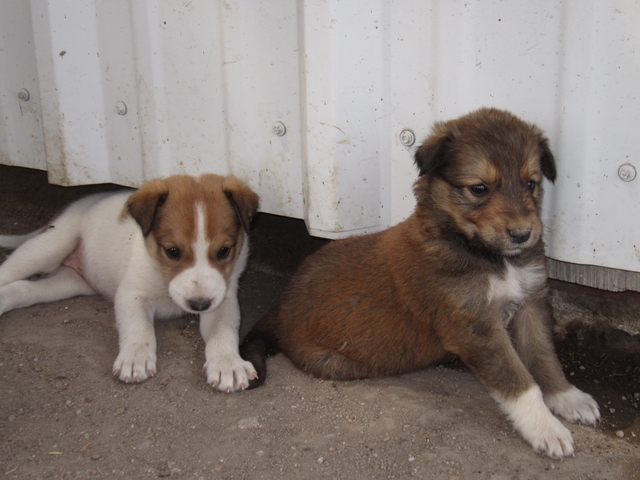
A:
[223,253]
[531,185]
[479,190]
[173,253]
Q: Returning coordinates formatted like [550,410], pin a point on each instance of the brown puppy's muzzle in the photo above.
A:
[519,235]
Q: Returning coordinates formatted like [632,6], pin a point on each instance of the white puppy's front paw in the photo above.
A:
[575,406]
[135,363]
[229,374]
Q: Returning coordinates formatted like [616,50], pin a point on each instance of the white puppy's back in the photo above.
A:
[106,239]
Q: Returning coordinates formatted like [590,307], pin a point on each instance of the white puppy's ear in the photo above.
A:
[144,204]
[244,200]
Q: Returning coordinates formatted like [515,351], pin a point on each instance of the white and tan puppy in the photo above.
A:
[175,245]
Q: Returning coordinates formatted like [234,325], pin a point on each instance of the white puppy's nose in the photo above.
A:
[199,304]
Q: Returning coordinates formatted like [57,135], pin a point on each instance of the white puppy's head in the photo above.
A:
[195,228]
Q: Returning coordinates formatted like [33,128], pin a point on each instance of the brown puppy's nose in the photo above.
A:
[519,235]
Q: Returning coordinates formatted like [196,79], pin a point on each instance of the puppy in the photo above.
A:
[175,246]
[464,274]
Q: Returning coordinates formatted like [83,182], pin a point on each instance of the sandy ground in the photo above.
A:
[62,414]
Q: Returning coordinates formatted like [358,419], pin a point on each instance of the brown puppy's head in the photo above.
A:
[194,227]
[481,176]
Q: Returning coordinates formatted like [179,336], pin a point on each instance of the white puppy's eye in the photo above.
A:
[223,253]
[531,185]
[173,253]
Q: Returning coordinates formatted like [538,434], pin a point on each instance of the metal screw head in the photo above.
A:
[24,95]
[279,129]
[407,137]
[121,108]
[627,173]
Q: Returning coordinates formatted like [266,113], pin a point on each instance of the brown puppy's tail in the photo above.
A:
[259,344]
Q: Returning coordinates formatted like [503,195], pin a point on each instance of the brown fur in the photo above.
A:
[437,283]
[165,210]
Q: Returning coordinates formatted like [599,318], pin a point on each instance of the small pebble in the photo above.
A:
[321,460]
[620,434]
[612,410]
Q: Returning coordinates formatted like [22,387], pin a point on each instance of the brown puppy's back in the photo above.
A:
[367,306]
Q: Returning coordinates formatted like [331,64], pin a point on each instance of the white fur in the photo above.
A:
[537,425]
[574,405]
[116,263]
[513,288]
[516,283]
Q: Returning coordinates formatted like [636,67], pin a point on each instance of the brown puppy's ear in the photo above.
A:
[143,205]
[431,155]
[547,161]
[244,201]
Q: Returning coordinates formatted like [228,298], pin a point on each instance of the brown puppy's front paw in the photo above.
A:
[575,406]
[537,425]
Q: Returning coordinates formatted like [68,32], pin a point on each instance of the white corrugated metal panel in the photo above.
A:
[21,137]
[204,82]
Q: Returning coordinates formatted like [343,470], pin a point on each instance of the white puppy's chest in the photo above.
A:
[511,289]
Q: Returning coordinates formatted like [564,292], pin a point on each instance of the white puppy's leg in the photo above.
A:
[14,241]
[537,425]
[63,283]
[224,367]
[136,360]
[41,254]
[574,405]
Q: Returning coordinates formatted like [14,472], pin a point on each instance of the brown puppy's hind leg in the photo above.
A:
[329,364]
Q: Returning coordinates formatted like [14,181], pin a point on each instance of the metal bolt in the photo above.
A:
[121,108]
[407,137]
[24,95]
[627,173]
[279,129]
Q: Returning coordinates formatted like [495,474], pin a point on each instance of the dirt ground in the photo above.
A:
[62,414]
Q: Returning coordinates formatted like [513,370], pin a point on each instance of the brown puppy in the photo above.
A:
[464,274]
